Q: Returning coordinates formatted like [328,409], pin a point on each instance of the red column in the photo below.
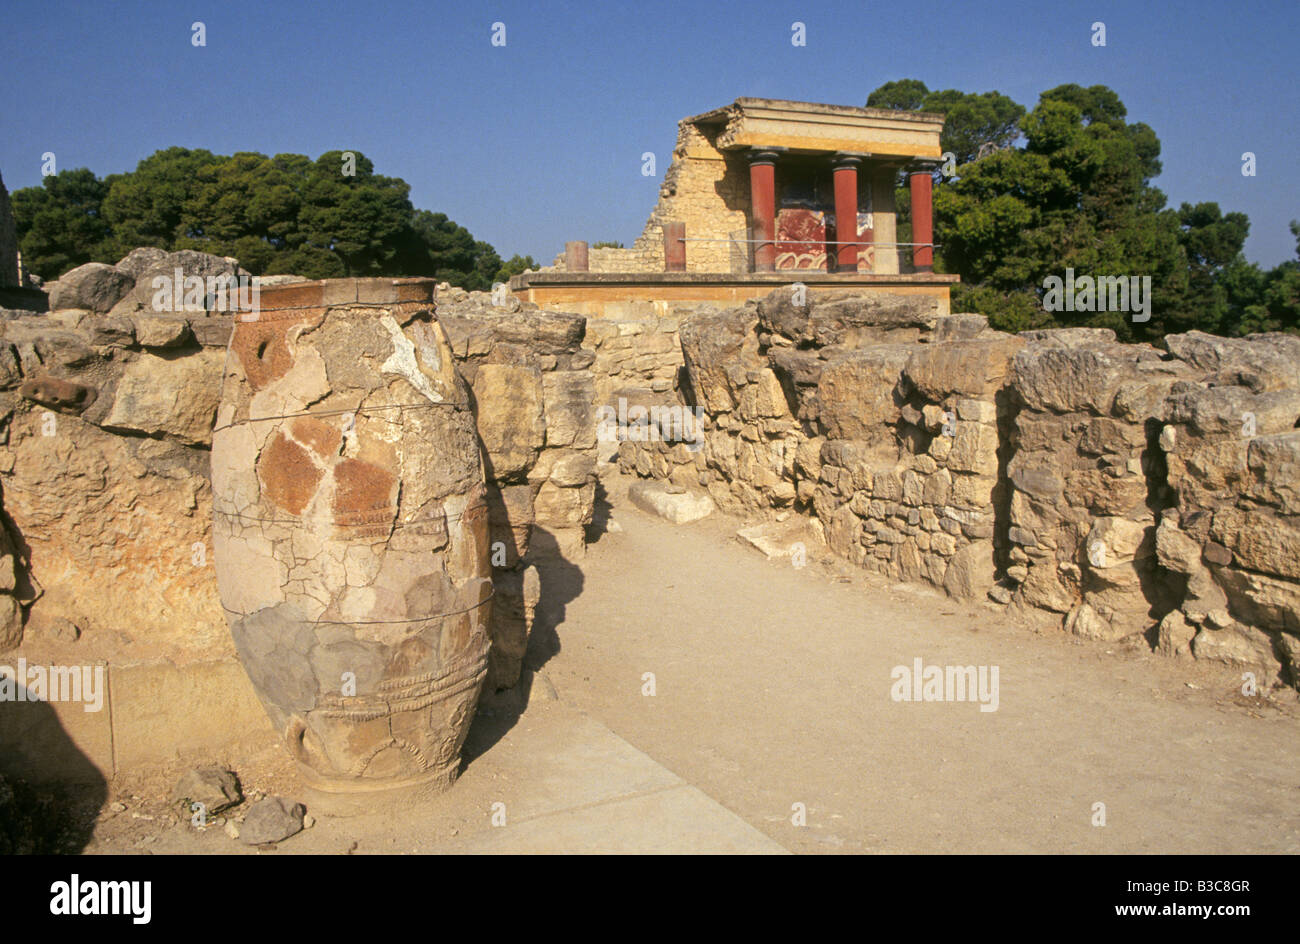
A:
[846,213]
[762,190]
[576,256]
[922,221]
[674,247]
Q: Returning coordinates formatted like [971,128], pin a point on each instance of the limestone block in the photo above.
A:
[510,417]
[94,286]
[970,368]
[974,449]
[1238,645]
[672,503]
[970,571]
[858,393]
[176,397]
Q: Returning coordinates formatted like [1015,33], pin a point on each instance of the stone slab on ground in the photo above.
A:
[781,539]
[556,780]
[670,502]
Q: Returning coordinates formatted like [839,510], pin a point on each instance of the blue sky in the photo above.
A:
[540,141]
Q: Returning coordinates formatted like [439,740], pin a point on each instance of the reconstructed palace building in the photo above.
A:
[764,192]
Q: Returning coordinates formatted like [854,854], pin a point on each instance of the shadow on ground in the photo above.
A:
[50,792]
[561,582]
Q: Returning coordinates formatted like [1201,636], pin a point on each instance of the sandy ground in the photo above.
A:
[773,688]
[772,698]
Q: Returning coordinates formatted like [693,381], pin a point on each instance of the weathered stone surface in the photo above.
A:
[214,788]
[1085,621]
[557,507]
[173,396]
[161,332]
[1070,337]
[974,449]
[65,396]
[1260,362]
[763,397]
[1175,636]
[959,327]
[970,571]
[1064,380]
[511,418]
[271,819]
[859,392]
[1271,603]
[1239,646]
[139,261]
[474,325]
[1221,411]
[843,317]
[793,538]
[1176,550]
[1274,461]
[570,418]
[670,502]
[573,469]
[90,504]
[11,622]
[1270,550]
[711,341]
[94,286]
[147,267]
[968,368]
[513,608]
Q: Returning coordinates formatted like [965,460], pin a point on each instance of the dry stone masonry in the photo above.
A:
[1121,491]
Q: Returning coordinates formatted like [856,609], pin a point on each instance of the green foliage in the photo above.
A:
[282,214]
[1263,301]
[515,266]
[971,121]
[901,95]
[444,249]
[607,244]
[1006,311]
[1078,195]
[61,223]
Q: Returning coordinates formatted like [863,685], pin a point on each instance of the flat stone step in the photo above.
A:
[670,502]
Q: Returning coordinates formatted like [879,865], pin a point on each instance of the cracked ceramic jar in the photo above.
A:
[350,530]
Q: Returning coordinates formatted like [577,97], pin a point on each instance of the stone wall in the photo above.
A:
[106,412]
[1108,488]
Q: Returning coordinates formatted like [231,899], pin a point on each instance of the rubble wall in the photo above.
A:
[1117,491]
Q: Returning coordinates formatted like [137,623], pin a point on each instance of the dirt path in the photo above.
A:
[773,688]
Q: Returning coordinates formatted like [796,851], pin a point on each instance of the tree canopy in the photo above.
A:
[285,214]
[1068,185]
[987,120]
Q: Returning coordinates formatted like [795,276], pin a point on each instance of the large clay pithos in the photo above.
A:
[350,530]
